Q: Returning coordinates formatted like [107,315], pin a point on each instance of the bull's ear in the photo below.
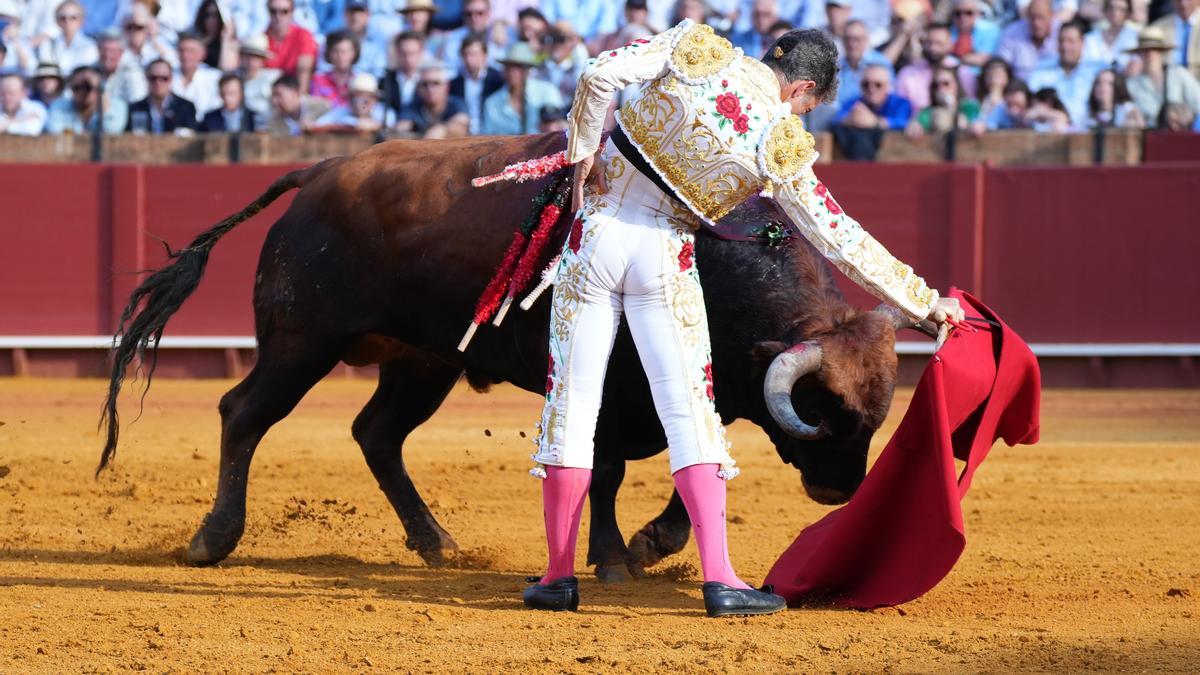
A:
[763,352]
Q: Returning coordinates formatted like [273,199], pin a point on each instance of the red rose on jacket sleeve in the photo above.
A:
[729,106]
[741,124]
[685,256]
[832,206]
[576,235]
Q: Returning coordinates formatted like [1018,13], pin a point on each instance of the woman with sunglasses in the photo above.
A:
[948,108]
[71,48]
[81,111]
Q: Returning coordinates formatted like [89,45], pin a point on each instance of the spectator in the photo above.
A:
[1179,118]
[780,28]
[991,85]
[857,57]
[220,42]
[372,52]
[1182,29]
[837,17]
[86,110]
[19,115]
[101,14]
[949,109]
[293,113]
[564,61]
[294,49]
[365,112]
[532,28]
[1159,80]
[400,83]
[418,16]
[552,119]
[15,52]
[876,107]
[257,79]
[755,41]
[123,77]
[1032,41]
[342,52]
[1069,78]
[1110,104]
[47,84]
[477,80]
[161,112]
[144,39]
[1011,114]
[249,17]
[590,18]
[435,113]
[877,16]
[196,81]
[233,116]
[696,10]
[1047,113]
[477,20]
[514,109]
[636,14]
[975,38]
[913,81]
[70,48]
[505,11]
[1108,43]
[37,23]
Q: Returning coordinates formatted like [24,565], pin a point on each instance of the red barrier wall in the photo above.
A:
[1066,254]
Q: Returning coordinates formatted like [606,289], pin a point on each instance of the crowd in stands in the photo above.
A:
[457,67]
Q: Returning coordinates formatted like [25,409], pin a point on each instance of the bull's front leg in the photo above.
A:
[666,535]
[606,545]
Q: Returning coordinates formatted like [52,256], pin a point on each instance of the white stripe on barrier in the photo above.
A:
[1065,349]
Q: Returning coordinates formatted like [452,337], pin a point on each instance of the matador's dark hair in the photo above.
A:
[807,54]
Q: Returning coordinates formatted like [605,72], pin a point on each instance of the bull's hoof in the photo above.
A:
[653,543]
[212,543]
[614,574]
[433,550]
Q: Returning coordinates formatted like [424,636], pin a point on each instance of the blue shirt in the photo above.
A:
[1183,35]
[500,118]
[62,117]
[588,17]
[895,109]
[421,120]
[985,36]
[1074,88]
[850,78]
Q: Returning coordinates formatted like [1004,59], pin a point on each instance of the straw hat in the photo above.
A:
[364,83]
[256,45]
[520,54]
[48,70]
[407,6]
[1152,39]
[10,9]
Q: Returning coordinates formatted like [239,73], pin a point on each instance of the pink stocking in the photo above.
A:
[563,491]
[703,493]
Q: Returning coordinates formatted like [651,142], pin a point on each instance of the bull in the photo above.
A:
[380,258]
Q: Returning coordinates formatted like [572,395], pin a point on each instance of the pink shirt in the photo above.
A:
[912,82]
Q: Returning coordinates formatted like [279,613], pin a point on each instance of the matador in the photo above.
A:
[708,129]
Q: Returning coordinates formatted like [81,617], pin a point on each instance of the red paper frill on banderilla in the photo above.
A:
[528,245]
[902,532]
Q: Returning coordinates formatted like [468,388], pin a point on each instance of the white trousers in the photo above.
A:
[630,250]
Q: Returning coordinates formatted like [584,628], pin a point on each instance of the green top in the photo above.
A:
[968,108]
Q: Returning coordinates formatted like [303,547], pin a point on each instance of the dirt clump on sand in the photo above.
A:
[1082,551]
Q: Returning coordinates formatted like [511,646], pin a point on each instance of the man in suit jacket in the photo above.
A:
[477,80]
[1182,29]
[161,112]
[233,115]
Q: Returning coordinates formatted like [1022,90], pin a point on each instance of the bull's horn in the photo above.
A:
[900,320]
[786,368]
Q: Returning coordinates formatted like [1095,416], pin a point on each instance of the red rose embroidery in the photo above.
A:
[749,106]
[724,83]
[612,53]
[729,106]
[576,235]
[832,206]
[550,376]
[821,190]
[708,377]
[741,124]
[685,256]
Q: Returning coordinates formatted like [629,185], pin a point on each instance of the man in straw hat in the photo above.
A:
[516,107]
[1160,82]
[364,112]
[1182,29]
[256,76]
[709,128]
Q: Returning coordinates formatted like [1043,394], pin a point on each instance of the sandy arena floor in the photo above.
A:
[1083,551]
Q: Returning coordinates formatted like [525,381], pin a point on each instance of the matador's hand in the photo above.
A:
[946,313]
[588,170]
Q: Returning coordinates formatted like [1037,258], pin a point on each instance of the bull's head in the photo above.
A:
[829,394]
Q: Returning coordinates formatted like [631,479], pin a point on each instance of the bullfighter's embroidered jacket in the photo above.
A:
[710,123]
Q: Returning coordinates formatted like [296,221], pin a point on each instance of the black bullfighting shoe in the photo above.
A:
[724,600]
[560,595]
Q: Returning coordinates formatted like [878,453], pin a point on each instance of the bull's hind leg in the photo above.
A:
[410,390]
[666,535]
[606,546]
[276,384]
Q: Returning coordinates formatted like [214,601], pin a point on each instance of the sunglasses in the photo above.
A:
[133,27]
[965,12]
[873,84]
[475,12]
[431,83]
[279,12]
[83,88]
[68,17]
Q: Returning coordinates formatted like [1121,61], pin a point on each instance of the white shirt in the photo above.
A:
[128,83]
[81,51]
[1099,53]
[258,91]
[203,91]
[28,120]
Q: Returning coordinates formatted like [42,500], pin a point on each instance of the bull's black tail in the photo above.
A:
[153,303]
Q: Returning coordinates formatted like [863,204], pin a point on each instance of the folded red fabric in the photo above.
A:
[902,531]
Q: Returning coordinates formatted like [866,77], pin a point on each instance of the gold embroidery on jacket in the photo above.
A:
[701,53]
[789,148]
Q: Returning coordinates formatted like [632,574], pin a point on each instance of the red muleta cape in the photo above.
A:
[902,531]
